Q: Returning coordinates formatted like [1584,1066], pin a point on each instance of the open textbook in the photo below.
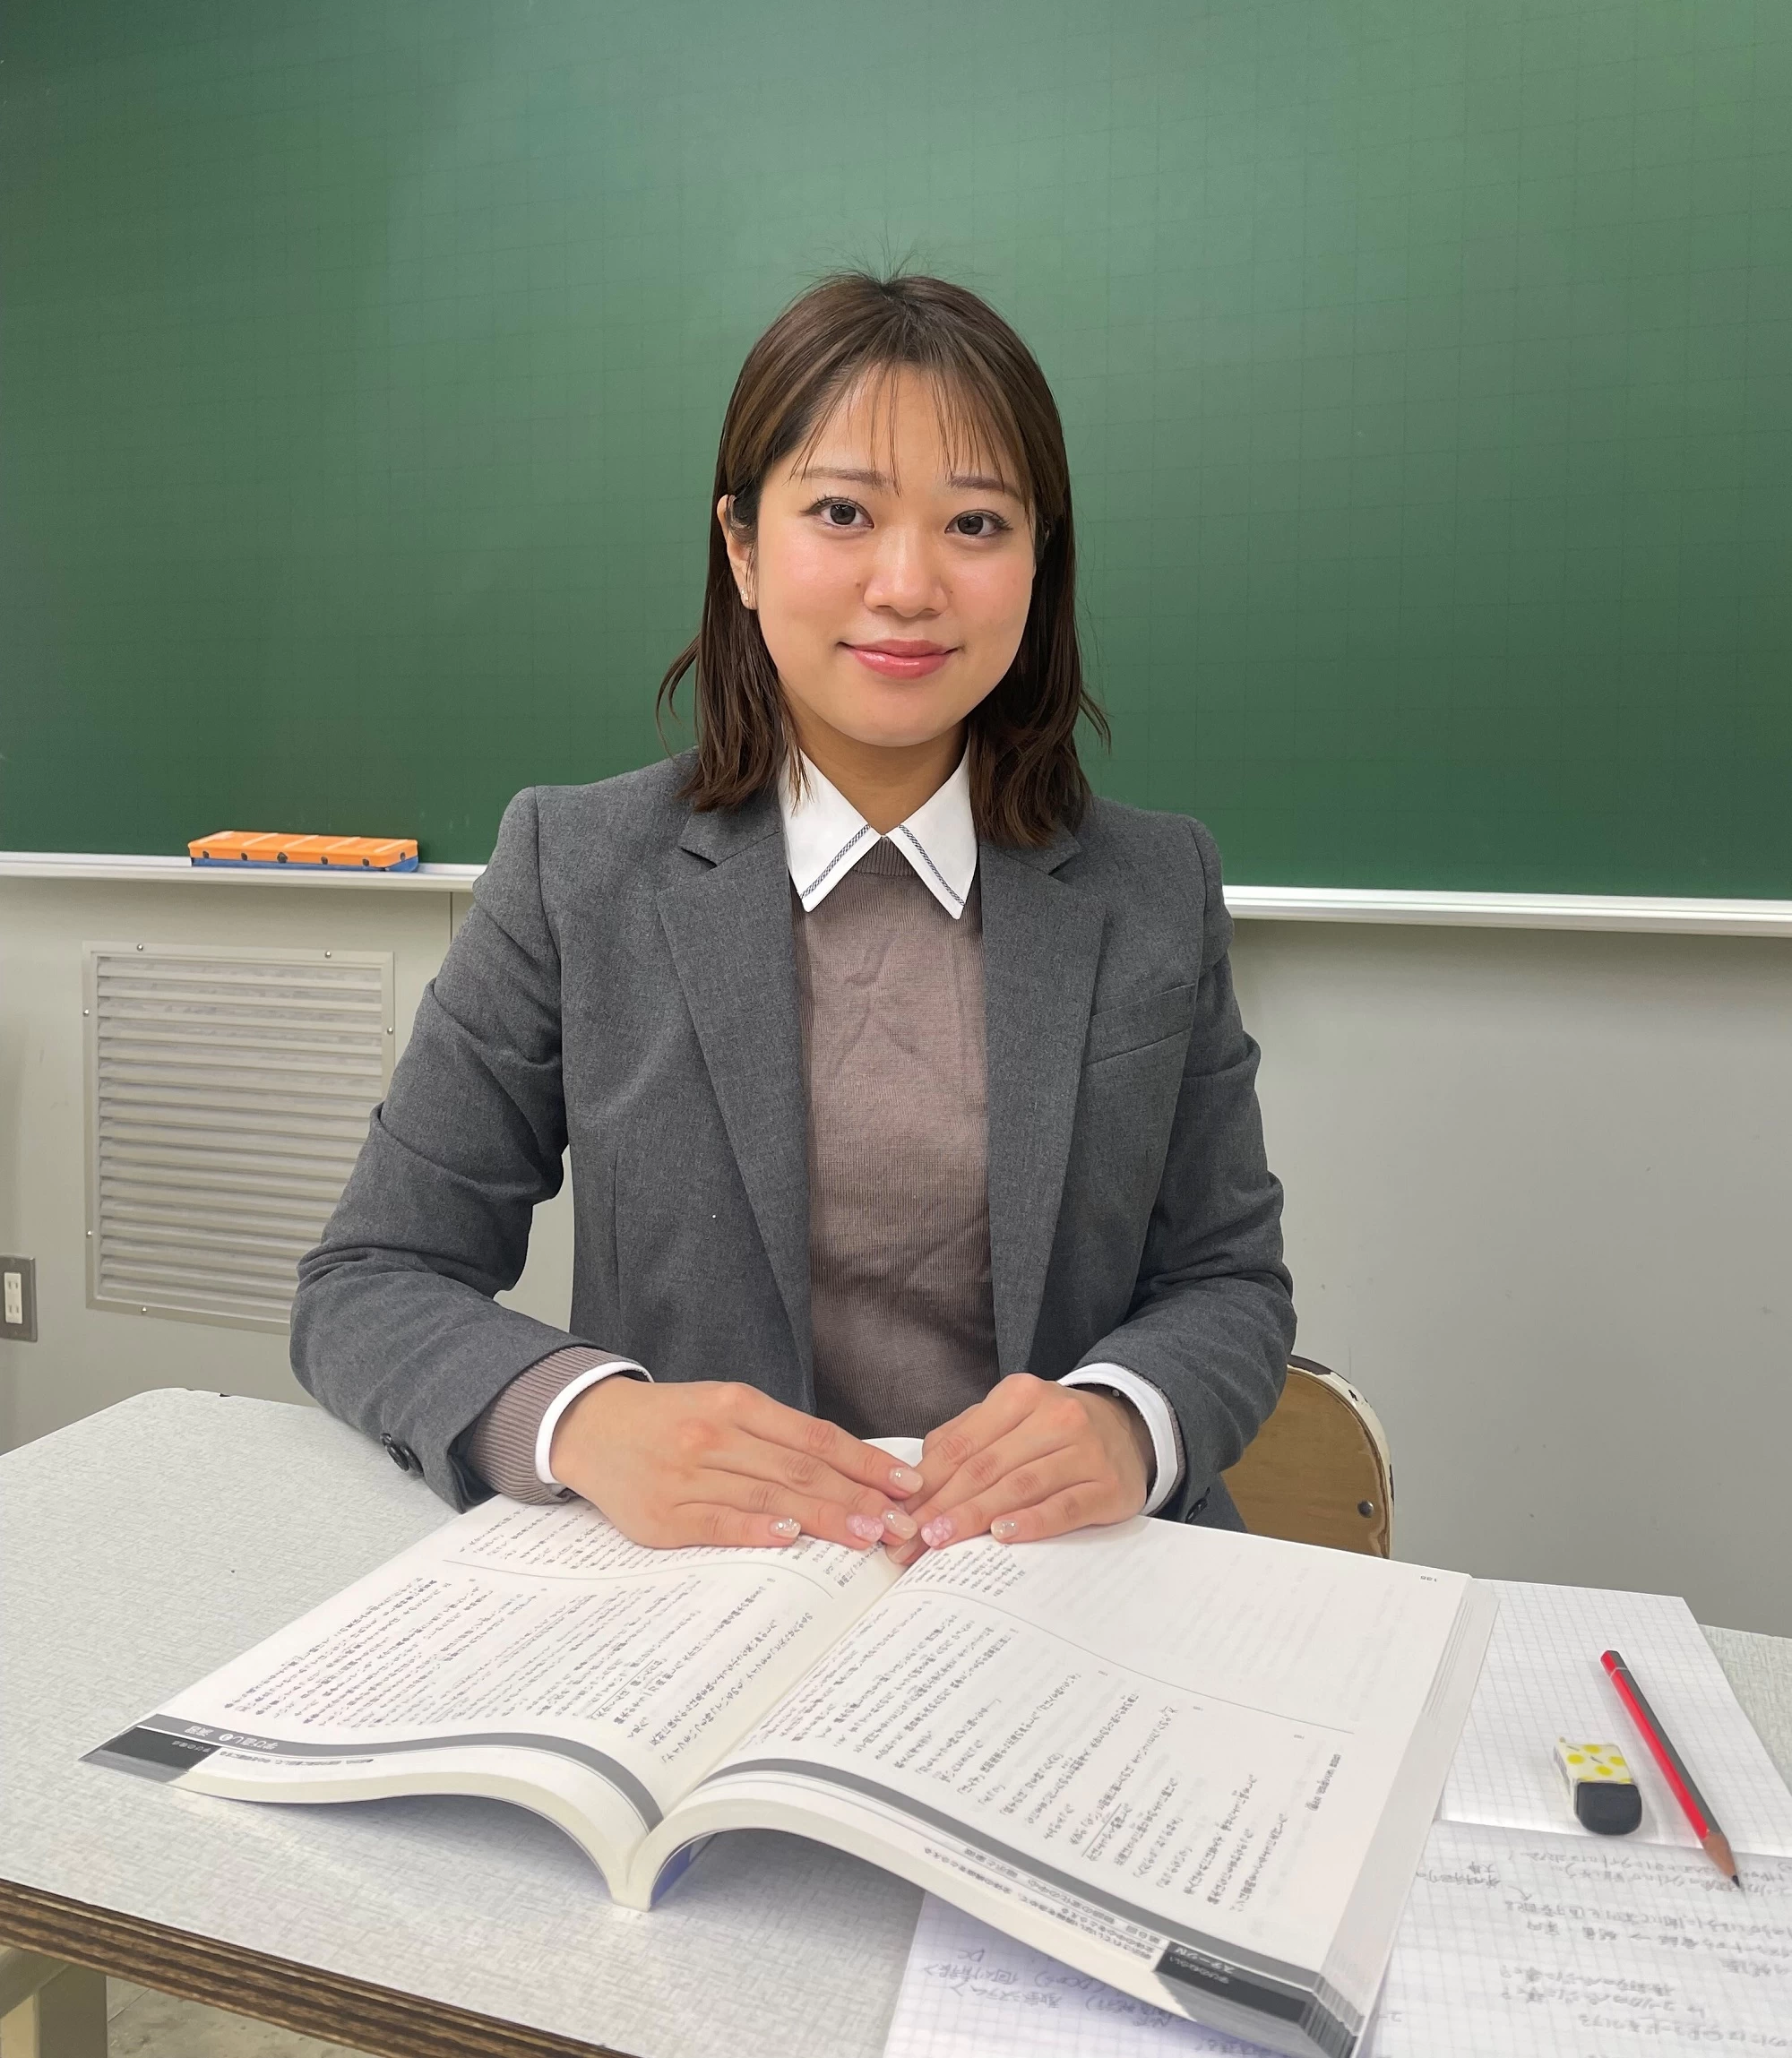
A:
[1196,1765]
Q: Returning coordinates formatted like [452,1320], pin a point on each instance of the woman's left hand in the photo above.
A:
[1030,1459]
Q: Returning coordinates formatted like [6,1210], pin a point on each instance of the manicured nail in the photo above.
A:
[785,1526]
[937,1532]
[865,1527]
[905,1479]
[1003,1529]
[899,1524]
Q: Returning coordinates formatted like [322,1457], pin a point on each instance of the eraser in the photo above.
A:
[237,847]
[1606,1799]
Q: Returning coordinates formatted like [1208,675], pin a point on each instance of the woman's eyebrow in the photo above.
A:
[856,478]
[959,481]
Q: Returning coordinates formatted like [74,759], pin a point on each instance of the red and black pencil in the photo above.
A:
[1711,1839]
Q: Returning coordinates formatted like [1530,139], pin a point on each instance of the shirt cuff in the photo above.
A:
[1159,1418]
[563,1399]
[502,1445]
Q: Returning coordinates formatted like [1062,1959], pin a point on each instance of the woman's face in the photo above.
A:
[890,570]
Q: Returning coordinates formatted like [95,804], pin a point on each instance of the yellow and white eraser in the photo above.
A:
[1605,1797]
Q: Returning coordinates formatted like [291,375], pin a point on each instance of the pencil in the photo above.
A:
[1715,1845]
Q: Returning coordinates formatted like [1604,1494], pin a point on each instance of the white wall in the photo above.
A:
[1538,1192]
[1539,1188]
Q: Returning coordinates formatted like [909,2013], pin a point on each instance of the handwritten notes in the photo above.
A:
[1555,1946]
[1566,1947]
[969,1991]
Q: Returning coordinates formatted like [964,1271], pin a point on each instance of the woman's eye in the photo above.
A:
[978,525]
[840,513]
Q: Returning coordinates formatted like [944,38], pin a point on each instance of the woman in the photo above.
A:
[904,1085]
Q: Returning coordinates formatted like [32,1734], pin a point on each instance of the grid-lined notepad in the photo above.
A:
[1567,1947]
[1553,1947]
[1542,1678]
[969,1991]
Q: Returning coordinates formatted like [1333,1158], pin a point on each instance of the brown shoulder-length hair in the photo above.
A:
[1025,777]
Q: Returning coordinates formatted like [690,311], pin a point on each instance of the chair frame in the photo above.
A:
[1359,1515]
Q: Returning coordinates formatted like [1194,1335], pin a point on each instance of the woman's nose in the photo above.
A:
[904,576]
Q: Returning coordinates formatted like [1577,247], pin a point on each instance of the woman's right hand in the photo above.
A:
[717,1462]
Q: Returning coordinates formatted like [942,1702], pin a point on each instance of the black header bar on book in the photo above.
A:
[164,1746]
[1214,1979]
[151,1754]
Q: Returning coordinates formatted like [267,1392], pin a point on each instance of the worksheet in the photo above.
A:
[969,1991]
[1570,1947]
[1549,1946]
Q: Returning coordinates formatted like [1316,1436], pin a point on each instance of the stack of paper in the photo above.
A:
[1542,1679]
[1523,1931]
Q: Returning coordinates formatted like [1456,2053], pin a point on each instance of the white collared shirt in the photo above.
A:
[825,836]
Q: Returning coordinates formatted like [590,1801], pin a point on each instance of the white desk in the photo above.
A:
[144,1546]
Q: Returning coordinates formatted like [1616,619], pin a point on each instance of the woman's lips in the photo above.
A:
[895,660]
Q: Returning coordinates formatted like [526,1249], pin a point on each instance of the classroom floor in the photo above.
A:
[140,2023]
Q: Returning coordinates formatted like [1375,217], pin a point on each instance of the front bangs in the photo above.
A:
[977,426]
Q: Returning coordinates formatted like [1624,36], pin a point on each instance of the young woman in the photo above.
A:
[904,1085]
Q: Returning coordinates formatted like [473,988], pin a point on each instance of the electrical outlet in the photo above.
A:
[18,1300]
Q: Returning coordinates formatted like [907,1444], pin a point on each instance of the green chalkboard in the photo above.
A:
[1426,363]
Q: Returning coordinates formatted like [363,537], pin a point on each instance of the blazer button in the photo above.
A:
[401,1454]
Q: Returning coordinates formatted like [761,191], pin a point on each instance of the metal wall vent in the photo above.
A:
[227,1096]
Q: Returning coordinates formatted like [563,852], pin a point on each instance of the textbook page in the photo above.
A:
[1543,1679]
[531,1654]
[1170,1745]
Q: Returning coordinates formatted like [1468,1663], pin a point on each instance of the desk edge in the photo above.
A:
[379,2019]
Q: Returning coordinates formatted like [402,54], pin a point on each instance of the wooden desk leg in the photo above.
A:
[51,2009]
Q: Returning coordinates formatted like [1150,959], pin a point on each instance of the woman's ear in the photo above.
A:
[739,543]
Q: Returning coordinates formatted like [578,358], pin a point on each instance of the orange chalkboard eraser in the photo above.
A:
[236,848]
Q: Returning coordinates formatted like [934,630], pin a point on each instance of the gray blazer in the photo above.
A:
[625,983]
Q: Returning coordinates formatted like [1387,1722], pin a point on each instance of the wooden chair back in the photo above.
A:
[1318,1471]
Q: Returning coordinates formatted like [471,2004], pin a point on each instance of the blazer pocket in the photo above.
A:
[1135,1025]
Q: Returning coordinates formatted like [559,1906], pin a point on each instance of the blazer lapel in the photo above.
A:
[729,932]
[1041,944]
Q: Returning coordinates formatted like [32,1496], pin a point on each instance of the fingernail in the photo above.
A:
[899,1524]
[905,1479]
[937,1532]
[1004,1528]
[866,1527]
[785,1526]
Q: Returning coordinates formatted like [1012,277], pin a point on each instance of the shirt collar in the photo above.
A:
[825,836]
